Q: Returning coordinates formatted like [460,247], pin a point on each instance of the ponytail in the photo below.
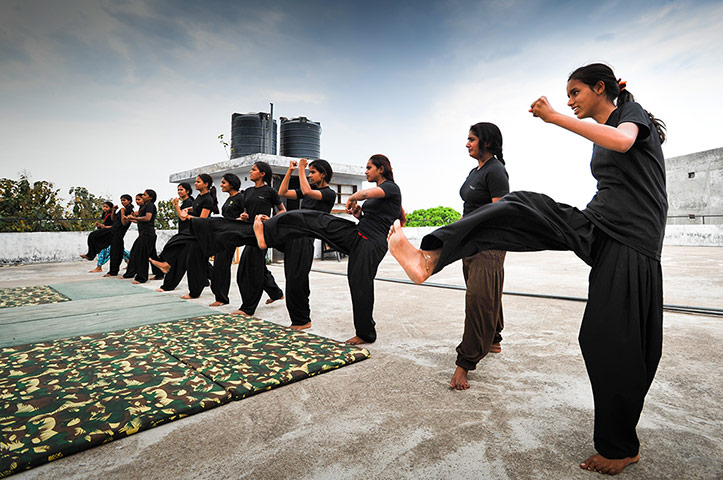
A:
[490,138]
[615,89]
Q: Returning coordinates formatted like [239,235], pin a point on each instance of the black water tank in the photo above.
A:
[300,138]
[249,134]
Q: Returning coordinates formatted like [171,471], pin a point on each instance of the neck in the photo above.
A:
[259,183]
[232,193]
[603,113]
[203,192]
[483,159]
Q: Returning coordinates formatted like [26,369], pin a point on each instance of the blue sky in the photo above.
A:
[116,95]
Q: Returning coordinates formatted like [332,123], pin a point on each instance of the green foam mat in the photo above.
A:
[35,295]
[64,396]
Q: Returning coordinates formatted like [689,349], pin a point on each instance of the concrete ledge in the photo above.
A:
[51,247]
[44,247]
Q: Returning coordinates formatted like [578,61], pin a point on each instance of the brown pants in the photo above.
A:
[484,275]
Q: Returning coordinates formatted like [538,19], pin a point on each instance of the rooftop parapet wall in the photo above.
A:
[695,186]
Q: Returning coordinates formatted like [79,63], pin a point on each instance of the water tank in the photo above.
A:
[249,134]
[300,138]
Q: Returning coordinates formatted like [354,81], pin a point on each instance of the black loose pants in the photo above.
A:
[97,241]
[364,256]
[253,278]
[143,248]
[622,329]
[298,258]
[116,252]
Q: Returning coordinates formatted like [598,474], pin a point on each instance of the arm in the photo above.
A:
[284,187]
[124,218]
[205,212]
[280,208]
[618,139]
[374,192]
[304,182]
[145,218]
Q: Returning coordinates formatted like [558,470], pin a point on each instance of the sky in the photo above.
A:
[116,95]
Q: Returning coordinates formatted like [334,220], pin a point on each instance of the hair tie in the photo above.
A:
[622,84]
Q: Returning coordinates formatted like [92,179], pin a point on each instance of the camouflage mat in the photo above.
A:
[35,295]
[61,397]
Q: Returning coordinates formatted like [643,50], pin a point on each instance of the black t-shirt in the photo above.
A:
[260,201]
[201,202]
[184,226]
[233,207]
[378,214]
[325,204]
[147,228]
[118,222]
[484,184]
[631,203]
[107,220]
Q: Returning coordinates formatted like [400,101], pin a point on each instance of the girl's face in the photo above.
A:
[106,208]
[200,185]
[125,202]
[315,176]
[146,198]
[373,173]
[139,200]
[473,146]
[255,174]
[584,100]
[225,186]
[182,193]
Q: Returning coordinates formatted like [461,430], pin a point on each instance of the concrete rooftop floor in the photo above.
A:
[528,413]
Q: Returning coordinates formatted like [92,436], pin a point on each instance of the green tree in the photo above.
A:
[83,206]
[166,218]
[432,217]
[20,200]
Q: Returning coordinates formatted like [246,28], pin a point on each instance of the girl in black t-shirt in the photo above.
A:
[119,229]
[252,277]
[183,246]
[364,242]
[102,236]
[223,255]
[145,245]
[619,235]
[484,272]
[299,252]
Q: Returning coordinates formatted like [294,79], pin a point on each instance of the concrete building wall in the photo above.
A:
[695,188]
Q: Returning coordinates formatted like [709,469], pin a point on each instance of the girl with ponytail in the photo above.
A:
[619,234]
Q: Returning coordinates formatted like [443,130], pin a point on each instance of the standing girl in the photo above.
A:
[363,242]
[223,255]
[484,273]
[619,234]
[299,252]
[119,229]
[183,247]
[100,238]
[253,278]
[145,245]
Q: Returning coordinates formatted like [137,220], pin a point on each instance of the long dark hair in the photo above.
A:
[490,138]
[206,178]
[187,187]
[265,168]
[381,161]
[591,74]
[152,193]
[323,167]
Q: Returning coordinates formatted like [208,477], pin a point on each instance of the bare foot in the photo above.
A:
[216,304]
[108,275]
[271,300]
[496,348]
[165,267]
[301,327]
[459,379]
[159,290]
[97,269]
[598,463]
[259,232]
[356,341]
[242,313]
[417,264]
[186,296]
[135,282]
[83,255]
